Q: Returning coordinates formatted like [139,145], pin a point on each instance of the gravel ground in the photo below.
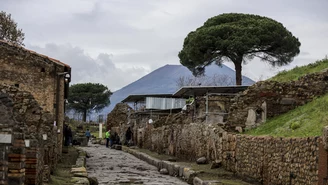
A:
[112,166]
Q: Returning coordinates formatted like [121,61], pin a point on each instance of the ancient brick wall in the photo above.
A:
[6,123]
[272,160]
[278,97]
[37,74]
[31,72]
[269,160]
[119,120]
[26,153]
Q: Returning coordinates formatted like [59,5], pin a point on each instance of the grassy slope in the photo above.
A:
[306,120]
[297,72]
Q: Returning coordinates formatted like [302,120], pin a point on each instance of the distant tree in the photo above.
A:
[9,31]
[215,80]
[88,96]
[238,38]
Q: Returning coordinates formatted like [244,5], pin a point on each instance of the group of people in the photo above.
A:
[112,139]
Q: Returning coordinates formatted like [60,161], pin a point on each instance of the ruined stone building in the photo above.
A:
[218,117]
[33,89]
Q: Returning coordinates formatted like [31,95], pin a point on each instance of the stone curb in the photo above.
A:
[80,175]
[173,169]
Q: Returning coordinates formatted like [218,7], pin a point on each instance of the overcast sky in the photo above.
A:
[115,42]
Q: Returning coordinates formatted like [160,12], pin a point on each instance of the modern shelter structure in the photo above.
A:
[210,101]
[220,108]
[155,102]
[154,106]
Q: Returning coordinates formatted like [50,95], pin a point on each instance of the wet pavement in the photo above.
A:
[112,166]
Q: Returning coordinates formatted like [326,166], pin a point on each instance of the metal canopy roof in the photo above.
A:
[201,90]
[141,97]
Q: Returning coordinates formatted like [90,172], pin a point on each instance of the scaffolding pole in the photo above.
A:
[206,106]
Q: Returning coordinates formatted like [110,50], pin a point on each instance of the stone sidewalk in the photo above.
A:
[189,171]
[112,166]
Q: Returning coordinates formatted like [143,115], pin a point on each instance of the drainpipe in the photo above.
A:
[66,75]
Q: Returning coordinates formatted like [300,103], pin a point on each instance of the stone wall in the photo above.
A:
[119,119]
[265,159]
[31,132]
[274,98]
[272,160]
[6,131]
[37,74]
[186,141]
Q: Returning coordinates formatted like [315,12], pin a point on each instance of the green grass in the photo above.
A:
[62,174]
[297,72]
[304,121]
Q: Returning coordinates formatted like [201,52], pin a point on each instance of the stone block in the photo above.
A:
[78,170]
[202,160]
[80,181]
[18,165]
[287,101]
[164,171]
[170,168]
[197,181]
[189,175]
[118,147]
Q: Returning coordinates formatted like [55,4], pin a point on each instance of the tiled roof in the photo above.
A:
[35,53]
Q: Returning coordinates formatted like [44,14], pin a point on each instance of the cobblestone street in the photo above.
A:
[112,166]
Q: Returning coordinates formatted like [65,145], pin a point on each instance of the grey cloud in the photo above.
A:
[87,69]
[146,34]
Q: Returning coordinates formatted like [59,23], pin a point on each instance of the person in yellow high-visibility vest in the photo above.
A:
[107,136]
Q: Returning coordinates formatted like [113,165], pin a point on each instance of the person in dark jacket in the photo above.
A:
[66,135]
[128,136]
[70,135]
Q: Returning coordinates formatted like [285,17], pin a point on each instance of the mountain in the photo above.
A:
[163,81]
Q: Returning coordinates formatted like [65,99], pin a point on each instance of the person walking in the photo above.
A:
[107,136]
[88,135]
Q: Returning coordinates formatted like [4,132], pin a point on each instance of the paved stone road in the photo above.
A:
[111,166]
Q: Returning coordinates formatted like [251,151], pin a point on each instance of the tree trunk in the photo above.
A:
[238,71]
[85,115]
